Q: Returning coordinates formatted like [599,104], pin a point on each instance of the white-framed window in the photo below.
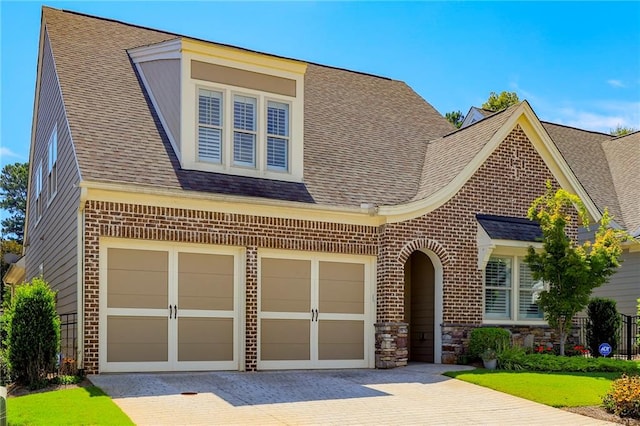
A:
[249,131]
[244,130]
[277,136]
[210,135]
[38,191]
[52,170]
[508,290]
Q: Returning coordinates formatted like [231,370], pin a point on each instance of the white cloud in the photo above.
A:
[602,116]
[616,83]
[6,152]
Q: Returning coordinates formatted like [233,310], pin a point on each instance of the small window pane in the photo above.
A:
[244,148]
[209,144]
[497,297]
[277,153]
[277,119]
[527,308]
[244,113]
[210,108]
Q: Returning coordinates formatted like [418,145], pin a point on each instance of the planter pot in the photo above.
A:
[490,364]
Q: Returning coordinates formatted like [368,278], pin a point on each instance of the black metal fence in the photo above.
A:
[68,344]
[629,337]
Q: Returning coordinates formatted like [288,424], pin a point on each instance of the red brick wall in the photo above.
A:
[108,219]
[449,231]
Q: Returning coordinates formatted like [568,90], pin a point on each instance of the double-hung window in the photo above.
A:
[52,175]
[508,290]
[39,191]
[210,137]
[244,130]
[277,136]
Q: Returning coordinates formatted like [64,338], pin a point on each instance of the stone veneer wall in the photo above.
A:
[120,220]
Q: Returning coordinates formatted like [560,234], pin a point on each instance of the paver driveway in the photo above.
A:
[417,394]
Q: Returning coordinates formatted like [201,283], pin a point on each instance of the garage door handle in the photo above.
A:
[175,311]
[169,311]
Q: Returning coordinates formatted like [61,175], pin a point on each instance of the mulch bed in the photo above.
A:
[600,413]
[14,390]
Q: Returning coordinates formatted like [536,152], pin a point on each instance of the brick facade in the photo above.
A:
[504,185]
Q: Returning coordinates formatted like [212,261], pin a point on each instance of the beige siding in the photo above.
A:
[51,240]
[163,78]
[624,285]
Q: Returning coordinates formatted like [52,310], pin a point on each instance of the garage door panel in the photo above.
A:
[284,339]
[137,339]
[205,339]
[285,285]
[137,289]
[341,287]
[340,340]
[206,281]
[138,260]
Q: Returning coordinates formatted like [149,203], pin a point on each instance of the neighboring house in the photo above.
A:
[202,206]
[475,114]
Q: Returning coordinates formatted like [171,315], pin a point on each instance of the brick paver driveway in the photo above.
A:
[413,395]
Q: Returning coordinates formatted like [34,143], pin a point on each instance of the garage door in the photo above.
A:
[315,311]
[168,308]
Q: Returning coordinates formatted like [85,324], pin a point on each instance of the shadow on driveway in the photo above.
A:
[270,387]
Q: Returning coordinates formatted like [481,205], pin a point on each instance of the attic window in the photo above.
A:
[209,126]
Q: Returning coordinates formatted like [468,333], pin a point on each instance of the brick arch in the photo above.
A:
[423,243]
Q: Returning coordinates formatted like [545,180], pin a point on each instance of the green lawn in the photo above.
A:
[77,406]
[554,389]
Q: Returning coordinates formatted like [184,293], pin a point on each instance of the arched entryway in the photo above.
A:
[423,306]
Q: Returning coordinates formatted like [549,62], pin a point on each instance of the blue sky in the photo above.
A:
[576,63]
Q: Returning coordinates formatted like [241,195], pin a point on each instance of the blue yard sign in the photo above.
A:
[604,349]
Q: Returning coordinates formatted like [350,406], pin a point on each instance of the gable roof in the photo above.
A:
[353,123]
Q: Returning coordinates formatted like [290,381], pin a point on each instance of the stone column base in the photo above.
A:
[391,344]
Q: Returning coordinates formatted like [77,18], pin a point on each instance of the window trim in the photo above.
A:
[38,191]
[52,168]
[517,259]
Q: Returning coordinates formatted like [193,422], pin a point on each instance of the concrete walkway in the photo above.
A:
[413,395]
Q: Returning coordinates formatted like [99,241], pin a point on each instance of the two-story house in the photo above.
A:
[202,206]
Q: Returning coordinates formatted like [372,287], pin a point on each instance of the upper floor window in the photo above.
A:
[509,292]
[52,175]
[253,129]
[38,191]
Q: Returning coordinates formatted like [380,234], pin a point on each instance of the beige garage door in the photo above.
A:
[168,309]
[314,313]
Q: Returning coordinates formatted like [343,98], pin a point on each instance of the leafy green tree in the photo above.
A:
[498,102]
[455,117]
[32,328]
[570,270]
[622,130]
[14,179]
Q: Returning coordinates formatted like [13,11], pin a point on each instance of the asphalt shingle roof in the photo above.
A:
[510,228]
[354,124]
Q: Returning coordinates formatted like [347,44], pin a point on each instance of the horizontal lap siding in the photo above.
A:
[52,240]
[624,285]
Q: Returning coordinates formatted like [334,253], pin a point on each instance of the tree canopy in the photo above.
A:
[455,117]
[14,179]
[569,270]
[622,130]
[498,102]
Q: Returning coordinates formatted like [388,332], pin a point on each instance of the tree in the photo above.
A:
[622,130]
[570,271]
[13,192]
[455,117]
[502,101]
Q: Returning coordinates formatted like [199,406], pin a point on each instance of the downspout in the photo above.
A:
[80,223]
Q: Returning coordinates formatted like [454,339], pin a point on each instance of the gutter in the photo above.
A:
[80,223]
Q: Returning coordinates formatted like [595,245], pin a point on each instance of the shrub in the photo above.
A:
[603,324]
[624,397]
[485,338]
[33,333]
[516,359]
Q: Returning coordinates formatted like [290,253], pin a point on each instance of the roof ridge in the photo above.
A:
[577,128]
[86,15]
[484,120]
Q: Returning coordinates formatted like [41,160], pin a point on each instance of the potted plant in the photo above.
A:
[489,358]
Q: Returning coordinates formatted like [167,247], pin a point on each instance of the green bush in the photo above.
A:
[484,338]
[517,360]
[624,397]
[603,324]
[32,328]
